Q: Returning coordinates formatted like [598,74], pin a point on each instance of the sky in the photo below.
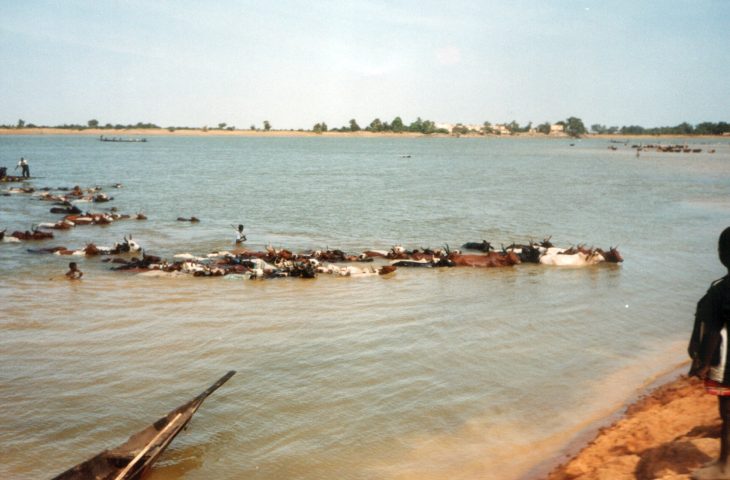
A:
[297,63]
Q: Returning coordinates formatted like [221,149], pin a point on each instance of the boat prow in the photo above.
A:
[134,458]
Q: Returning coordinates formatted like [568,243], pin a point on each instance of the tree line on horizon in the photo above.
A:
[572,126]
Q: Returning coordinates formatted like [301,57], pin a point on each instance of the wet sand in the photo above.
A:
[666,434]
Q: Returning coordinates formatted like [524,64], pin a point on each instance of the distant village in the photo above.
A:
[554,129]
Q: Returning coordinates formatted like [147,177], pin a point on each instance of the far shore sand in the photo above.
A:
[197,132]
[194,132]
[666,435]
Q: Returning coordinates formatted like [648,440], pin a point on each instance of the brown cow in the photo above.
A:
[492,259]
[34,235]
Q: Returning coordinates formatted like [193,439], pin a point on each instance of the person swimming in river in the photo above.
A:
[240,236]
[73,272]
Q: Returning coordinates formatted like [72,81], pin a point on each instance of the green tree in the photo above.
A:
[685,128]
[222,125]
[574,127]
[710,128]
[598,128]
[513,127]
[397,125]
[253,127]
[632,130]
[354,127]
[487,128]
[143,125]
[267,125]
[544,128]
[459,129]
[376,126]
[416,126]
[93,123]
[21,123]
[429,127]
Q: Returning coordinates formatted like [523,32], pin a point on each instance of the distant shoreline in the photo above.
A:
[199,132]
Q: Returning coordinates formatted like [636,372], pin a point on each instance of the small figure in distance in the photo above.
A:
[710,357]
[25,169]
[240,236]
[73,272]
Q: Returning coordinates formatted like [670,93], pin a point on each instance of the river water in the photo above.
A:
[425,374]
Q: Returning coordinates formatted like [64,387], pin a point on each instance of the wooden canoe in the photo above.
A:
[134,458]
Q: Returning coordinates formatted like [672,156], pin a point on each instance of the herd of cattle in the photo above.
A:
[658,147]
[271,262]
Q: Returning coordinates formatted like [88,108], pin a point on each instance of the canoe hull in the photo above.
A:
[134,458]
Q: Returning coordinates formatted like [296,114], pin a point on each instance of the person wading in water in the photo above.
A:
[25,169]
[240,236]
[73,272]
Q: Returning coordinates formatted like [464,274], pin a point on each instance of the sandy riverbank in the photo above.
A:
[151,132]
[665,435]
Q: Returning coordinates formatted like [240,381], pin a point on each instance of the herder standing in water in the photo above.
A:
[240,236]
[25,169]
[73,272]
[710,355]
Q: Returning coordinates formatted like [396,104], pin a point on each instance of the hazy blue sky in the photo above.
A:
[296,63]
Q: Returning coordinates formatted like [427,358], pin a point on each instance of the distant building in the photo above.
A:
[557,129]
[500,129]
[450,127]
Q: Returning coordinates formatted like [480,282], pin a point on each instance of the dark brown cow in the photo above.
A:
[612,255]
[34,235]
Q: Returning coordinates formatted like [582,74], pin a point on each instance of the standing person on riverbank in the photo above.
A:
[710,354]
[25,169]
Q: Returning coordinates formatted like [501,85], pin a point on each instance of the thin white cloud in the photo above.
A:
[448,55]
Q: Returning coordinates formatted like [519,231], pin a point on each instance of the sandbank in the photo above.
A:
[195,132]
[200,132]
[666,435]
